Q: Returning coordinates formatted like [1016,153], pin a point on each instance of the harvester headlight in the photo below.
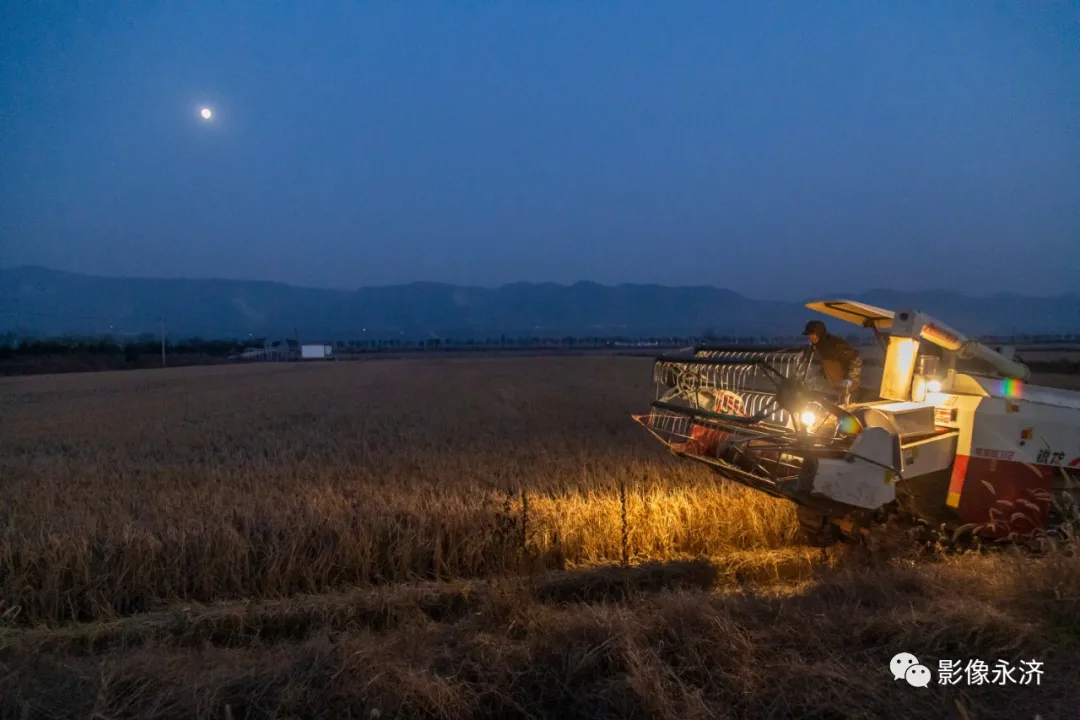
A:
[933,386]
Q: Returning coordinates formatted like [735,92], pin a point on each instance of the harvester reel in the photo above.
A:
[688,382]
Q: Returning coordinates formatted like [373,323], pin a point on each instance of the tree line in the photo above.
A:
[15,346]
[22,355]
[12,346]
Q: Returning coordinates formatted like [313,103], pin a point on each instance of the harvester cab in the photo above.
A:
[955,437]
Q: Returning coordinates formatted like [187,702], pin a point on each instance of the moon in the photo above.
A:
[206,113]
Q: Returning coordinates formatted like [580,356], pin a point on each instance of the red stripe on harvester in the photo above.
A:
[956,482]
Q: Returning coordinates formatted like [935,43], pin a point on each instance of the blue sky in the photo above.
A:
[777,149]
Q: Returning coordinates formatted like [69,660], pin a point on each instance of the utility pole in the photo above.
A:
[162,341]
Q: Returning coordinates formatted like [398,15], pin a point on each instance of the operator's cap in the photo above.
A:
[815,327]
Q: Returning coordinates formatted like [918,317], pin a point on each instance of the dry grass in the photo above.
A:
[665,641]
[329,540]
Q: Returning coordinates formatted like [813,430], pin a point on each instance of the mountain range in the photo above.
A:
[40,301]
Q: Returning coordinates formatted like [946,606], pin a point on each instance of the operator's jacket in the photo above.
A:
[839,361]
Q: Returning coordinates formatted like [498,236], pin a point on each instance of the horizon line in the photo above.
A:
[219,279]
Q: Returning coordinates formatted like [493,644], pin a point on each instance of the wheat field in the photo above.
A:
[126,491]
[442,538]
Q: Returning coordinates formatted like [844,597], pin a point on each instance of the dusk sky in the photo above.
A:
[777,149]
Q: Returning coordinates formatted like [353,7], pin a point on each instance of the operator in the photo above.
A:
[841,364]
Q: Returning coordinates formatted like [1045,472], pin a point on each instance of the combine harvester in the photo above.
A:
[954,439]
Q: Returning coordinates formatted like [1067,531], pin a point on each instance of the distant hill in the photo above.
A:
[48,302]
